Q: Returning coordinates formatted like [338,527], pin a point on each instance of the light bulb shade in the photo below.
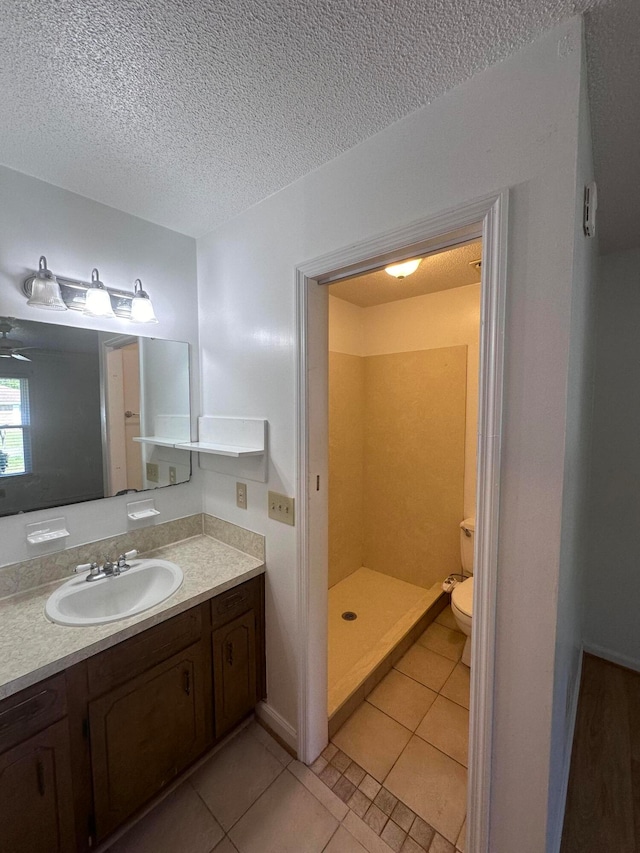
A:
[45,290]
[403,269]
[141,306]
[98,301]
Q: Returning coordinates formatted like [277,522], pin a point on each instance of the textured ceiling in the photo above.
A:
[185,113]
[440,271]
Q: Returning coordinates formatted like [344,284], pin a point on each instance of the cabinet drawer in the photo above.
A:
[134,656]
[32,710]
[234,602]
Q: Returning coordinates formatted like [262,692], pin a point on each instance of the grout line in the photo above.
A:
[334,831]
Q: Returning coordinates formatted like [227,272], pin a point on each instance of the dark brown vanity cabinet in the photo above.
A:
[36,794]
[144,733]
[234,671]
[83,751]
[238,653]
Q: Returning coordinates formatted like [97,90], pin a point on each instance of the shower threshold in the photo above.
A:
[391,615]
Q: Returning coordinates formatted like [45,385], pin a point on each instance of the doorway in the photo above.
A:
[485,219]
[121,390]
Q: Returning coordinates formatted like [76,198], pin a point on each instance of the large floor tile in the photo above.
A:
[271,744]
[319,790]
[432,784]
[225,846]
[233,779]
[457,686]
[402,698]
[445,641]
[446,726]
[344,842]
[371,842]
[425,666]
[285,819]
[179,822]
[373,740]
[447,619]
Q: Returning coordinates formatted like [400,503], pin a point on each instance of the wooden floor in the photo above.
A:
[603,800]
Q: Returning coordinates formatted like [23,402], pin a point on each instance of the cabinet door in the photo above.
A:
[234,671]
[36,796]
[144,733]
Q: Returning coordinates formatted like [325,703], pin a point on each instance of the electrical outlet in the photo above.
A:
[282,508]
[172,475]
[241,495]
[153,474]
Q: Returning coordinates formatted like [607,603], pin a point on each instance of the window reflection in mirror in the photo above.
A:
[80,413]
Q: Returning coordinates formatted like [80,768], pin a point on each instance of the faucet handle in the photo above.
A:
[122,563]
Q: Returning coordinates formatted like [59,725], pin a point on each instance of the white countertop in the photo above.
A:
[32,648]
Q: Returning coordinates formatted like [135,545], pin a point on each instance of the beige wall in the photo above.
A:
[414,463]
[444,319]
[411,471]
[346,465]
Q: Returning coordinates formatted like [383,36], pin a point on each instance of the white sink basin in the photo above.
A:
[145,584]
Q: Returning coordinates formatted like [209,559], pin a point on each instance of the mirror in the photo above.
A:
[87,414]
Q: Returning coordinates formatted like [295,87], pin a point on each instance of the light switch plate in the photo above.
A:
[241,495]
[282,508]
[153,474]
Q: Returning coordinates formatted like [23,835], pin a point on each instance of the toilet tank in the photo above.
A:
[467,539]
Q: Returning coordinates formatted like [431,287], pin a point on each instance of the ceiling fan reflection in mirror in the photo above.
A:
[11,347]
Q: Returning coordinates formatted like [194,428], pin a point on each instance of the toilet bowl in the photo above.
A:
[462,595]
[462,609]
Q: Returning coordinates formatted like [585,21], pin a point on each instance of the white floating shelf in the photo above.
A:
[158,440]
[221,449]
[233,446]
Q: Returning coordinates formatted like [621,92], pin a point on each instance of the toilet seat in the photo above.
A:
[462,597]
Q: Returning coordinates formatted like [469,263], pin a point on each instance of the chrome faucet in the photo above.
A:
[109,569]
[95,572]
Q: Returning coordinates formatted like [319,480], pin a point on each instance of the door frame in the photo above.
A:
[487,218]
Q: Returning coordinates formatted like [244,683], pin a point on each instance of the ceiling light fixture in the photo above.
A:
[45,290]
[98,301]
[403,269]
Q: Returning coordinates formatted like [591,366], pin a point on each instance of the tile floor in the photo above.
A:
[393,780]
[400,761]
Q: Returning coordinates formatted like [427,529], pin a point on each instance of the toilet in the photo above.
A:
[462,595]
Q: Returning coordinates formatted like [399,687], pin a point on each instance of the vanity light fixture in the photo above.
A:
[45,290]
[141,307]
[98,301]
[403,269]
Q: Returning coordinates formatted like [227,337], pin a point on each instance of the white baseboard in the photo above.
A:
[554,845]
[272,719]
[613,657]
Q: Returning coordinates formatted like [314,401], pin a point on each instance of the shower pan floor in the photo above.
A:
[387,609]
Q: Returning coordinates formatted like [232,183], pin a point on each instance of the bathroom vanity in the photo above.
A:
[83,749]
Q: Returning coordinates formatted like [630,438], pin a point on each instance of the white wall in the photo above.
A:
[77,234]
[514,125]
[447,318]
[613,591]
[575,523]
